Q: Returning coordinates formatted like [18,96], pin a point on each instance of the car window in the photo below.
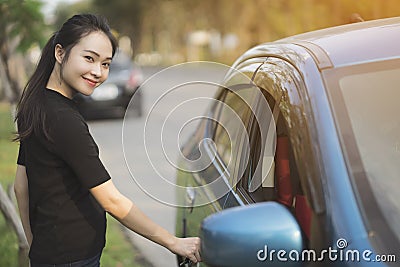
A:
[276,79]
[371,99]
[259,181]
[281,170]
[233,119]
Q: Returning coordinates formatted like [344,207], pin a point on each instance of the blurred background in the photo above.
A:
[153,34]
[166,32]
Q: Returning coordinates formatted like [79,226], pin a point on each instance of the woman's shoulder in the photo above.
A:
[63,111]
[56,100]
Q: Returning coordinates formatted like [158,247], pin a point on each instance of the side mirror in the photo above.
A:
[253,235]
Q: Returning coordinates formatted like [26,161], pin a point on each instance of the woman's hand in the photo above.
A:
[187,247]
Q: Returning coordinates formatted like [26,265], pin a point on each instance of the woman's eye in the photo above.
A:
[89,58]
[106,65]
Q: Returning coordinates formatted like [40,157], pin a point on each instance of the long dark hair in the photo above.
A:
[30,116]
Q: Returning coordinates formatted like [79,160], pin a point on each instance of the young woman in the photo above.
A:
[62,188]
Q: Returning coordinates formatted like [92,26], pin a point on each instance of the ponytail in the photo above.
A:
[30,116]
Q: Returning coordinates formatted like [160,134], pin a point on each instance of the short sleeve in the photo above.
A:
[75,145]
[21,154]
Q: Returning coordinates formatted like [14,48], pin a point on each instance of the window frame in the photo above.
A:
[293,107]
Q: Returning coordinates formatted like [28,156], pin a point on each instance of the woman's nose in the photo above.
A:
[96,70]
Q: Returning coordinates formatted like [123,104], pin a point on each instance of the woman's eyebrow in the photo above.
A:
[97,54]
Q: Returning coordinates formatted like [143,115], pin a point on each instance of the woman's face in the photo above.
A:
[87,65]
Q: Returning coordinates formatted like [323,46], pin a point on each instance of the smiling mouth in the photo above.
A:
[90,82]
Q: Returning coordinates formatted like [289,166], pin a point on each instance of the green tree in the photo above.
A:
[65,10]
[21,26]
[125,16]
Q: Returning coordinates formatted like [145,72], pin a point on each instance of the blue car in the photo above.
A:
[300,166]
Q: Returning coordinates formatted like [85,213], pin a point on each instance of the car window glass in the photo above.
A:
[235,112]
[272,172]
[371,100]
[259,178]
[281,174]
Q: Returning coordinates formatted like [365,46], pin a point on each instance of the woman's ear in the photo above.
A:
[59,53]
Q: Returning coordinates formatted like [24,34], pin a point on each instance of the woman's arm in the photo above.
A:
[22,195]
[121,208]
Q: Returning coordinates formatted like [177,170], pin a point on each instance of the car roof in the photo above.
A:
[353,43]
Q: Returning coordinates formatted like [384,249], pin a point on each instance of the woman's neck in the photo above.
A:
[57,84]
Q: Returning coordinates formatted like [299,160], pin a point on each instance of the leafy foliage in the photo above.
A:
[22,20]
[21,26]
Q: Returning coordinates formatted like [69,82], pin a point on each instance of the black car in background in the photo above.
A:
[111,98]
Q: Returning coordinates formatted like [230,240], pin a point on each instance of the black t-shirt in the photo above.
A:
[66,221]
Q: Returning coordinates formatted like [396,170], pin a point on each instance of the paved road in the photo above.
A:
[161,144]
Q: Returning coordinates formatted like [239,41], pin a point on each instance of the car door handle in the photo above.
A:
[191,195]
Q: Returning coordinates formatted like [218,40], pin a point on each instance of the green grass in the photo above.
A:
[8,149]
[8,159]
[8,245]
[8,156]
[6,122]
[118,251]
